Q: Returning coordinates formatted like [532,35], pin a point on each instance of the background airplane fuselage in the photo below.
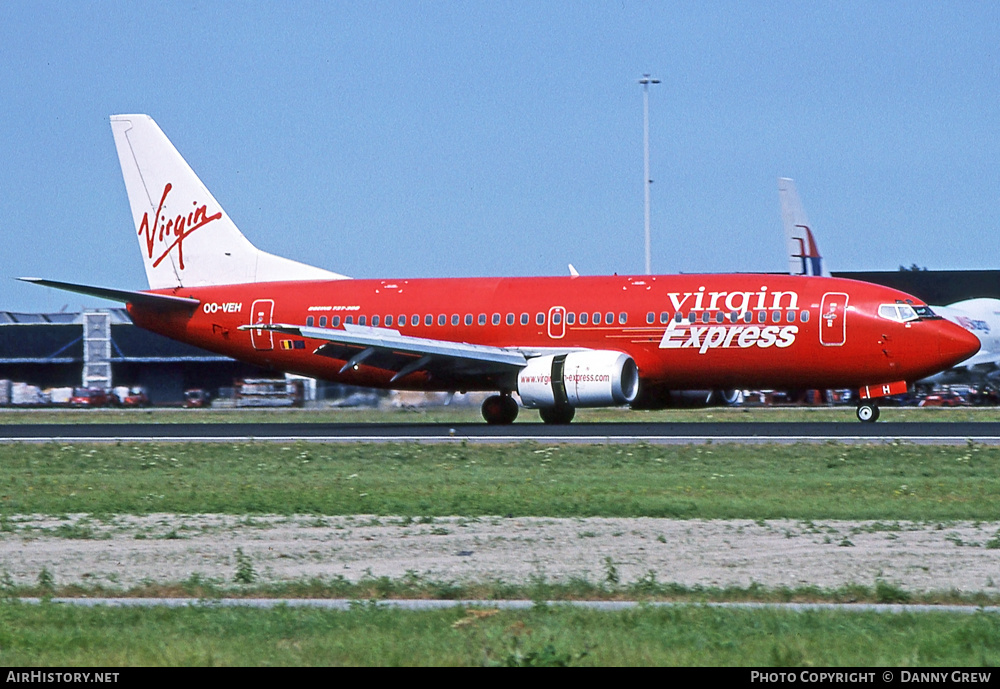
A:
[735,331]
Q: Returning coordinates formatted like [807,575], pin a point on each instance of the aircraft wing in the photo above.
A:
[388,349]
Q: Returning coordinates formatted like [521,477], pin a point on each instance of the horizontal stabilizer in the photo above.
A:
[126,296]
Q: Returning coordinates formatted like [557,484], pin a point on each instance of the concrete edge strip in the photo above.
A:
[423,604]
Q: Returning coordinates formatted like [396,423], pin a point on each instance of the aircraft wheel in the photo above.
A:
[499,410]
[868,412]
[557,415]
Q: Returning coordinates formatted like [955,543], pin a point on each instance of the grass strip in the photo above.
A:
[416,587]
[55,635]
[712,481]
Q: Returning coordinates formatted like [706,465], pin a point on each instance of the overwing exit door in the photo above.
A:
[557,322]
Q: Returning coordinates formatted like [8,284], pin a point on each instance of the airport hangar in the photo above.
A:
[102,348]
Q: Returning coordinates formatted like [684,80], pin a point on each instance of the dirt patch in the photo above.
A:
[126,551]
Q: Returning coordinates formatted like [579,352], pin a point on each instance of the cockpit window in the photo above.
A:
[904,313]
[925,312]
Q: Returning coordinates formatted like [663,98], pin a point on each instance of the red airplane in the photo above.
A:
[558,342]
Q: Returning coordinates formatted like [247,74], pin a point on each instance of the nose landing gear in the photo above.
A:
[867,412]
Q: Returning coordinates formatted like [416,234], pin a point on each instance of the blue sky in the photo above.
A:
[421,139]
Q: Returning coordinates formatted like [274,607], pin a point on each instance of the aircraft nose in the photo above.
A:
[955,343]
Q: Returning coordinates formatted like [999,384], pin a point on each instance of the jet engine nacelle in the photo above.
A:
[578,379]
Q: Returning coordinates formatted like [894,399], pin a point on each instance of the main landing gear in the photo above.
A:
[499,410]
[557,415]
[867,412]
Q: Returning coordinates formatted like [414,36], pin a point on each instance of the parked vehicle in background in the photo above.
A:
[267,392]
[197,398]
[985,395]
[89,397]
[944,398]
[60,397]
[136,397]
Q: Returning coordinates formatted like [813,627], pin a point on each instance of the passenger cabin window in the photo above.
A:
[496,319]
[349,320]
[415,319]
[650,317]
[468,319]
[597,319]
[570,318]
[609,318]
[804,316]
[455,319]
[482,319]
[664,317]
[622,318]
[510,319]
[442,319]
[762,316]
[322,321]
[540,318]
[361,320]
[583,318]
[429,319]
[309,321]
[524,319]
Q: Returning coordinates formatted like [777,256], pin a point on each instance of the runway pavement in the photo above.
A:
[593,433]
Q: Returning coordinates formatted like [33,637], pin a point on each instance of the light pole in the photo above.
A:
[646,81]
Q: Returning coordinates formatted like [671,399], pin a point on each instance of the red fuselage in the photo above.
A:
[683,331]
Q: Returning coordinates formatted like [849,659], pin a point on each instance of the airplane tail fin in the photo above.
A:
[185,236]
[803,252]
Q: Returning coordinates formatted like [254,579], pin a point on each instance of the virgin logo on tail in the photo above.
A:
[173,231]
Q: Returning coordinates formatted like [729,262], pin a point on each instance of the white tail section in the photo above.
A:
[803,252]
[185,236]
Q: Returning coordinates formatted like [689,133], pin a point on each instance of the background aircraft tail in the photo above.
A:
[803,253]
[185,236]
